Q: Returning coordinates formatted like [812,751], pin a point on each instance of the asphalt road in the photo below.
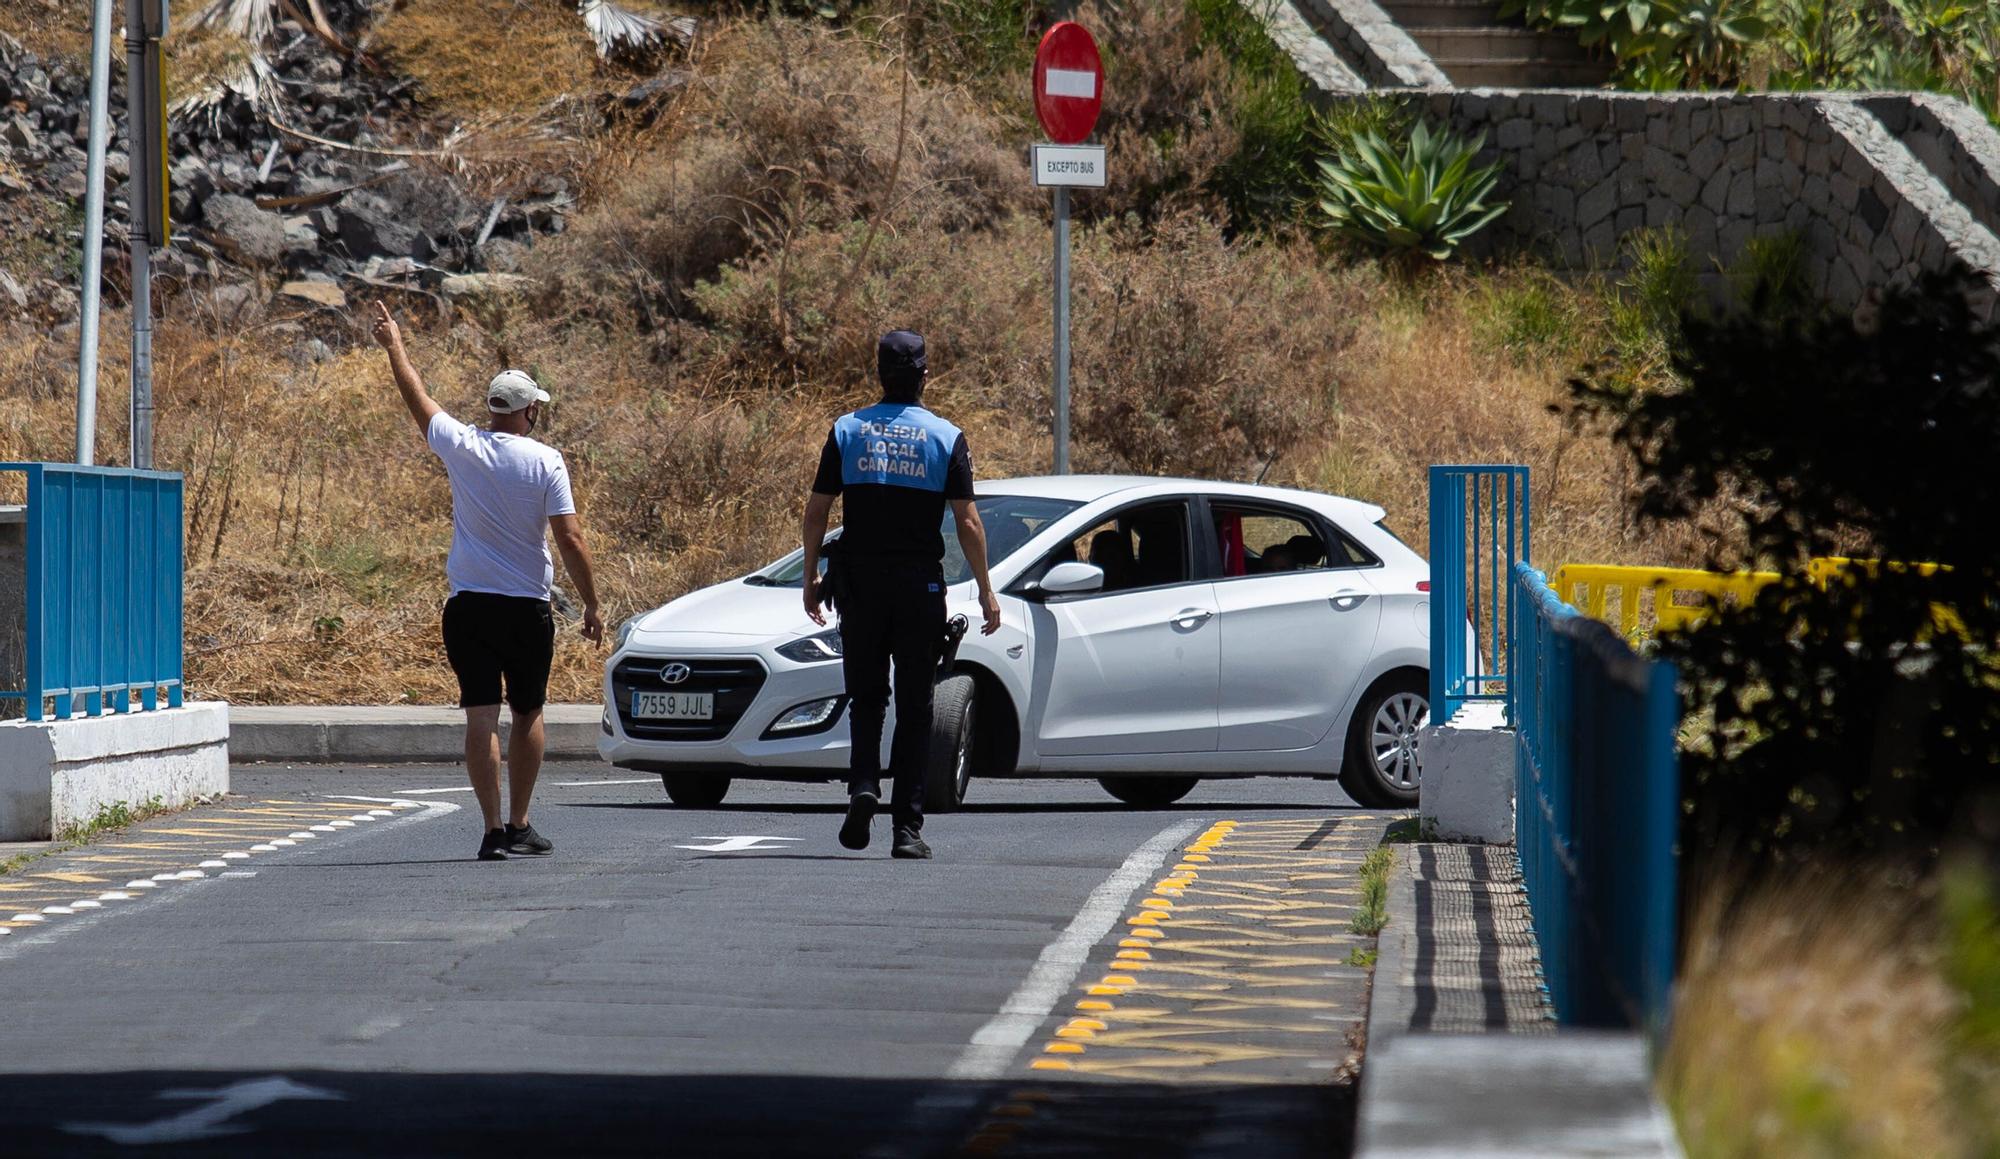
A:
[664,984]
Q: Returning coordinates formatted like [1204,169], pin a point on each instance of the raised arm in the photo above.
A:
[972,540]
[390,336]
[568,532]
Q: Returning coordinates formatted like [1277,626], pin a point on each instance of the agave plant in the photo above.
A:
[1424,198]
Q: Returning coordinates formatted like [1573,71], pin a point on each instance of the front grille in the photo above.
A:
[734,682]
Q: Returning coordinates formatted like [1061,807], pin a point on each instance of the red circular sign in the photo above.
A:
[1069,83]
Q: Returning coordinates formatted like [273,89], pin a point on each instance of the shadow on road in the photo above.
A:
[342,1113]
[839,805]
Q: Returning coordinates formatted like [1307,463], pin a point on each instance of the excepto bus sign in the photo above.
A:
[1072,165]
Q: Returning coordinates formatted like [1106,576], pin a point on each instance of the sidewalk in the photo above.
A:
[1464,1056]
[389,734]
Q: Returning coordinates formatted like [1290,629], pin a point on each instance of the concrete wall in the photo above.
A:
[54,774]
[1584,168]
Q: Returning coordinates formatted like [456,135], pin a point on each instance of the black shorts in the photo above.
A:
[489,636]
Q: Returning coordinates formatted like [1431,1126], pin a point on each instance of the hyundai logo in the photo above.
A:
[676,673]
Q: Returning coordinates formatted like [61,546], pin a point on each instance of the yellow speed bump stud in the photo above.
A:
[1062,1048]
[1120,980]
[1134,956]
[1148,919]
[1194,856]
[1146,932]
[1133,943]
[1105,990]
[1156,903]
[1086,1024]
[1082,1032]
[1049,1064]
[1093,1004]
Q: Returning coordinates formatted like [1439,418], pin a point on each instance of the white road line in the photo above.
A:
[423,792]
[586,784]
[994,1045]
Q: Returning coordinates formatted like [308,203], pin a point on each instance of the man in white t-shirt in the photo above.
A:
[507,491]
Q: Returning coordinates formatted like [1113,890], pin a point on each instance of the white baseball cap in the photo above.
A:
[511,391]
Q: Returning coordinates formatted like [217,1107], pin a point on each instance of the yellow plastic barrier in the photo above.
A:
[1645,600]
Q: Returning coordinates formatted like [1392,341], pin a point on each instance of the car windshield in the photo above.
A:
[1011,520]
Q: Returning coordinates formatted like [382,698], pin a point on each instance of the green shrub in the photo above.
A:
[1530,316]
[1266,176]
[1770,275]
[1424,198]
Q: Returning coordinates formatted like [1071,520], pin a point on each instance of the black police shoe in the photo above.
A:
[860,813]
[909,846]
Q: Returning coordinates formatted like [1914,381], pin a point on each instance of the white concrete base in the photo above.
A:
[1467,791]
[54,774]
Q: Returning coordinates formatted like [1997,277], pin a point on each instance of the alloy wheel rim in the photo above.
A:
[1395,737]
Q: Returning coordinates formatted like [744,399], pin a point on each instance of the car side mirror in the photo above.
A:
[1066,579]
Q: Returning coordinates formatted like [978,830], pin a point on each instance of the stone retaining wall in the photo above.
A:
[1953,140]
[1584,168]
[1385,54]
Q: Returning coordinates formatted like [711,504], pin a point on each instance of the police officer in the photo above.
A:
[898,466]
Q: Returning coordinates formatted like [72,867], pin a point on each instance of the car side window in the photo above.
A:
[1140,547]
[1260,541]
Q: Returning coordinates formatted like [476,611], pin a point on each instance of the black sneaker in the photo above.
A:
[493,846]
[909,846]
[523,839]
[860,812]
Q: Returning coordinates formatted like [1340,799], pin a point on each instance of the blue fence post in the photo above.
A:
[1479,529]
[104,589]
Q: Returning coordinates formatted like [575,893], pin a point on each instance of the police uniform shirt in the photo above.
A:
[897,464]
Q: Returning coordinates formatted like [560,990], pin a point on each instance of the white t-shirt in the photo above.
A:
[503,490]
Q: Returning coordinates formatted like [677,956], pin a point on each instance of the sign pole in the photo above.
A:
[147,154]
[1062,330]
[93,233]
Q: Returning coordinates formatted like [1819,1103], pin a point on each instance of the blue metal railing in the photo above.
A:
[104,567]
[1596,805]
[1479,531]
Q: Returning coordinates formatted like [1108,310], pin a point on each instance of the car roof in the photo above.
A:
[1091,488]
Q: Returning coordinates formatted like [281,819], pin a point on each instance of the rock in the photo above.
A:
[318,293]
[300,236]
[55,299]
[246,233]
[503,255]
[12,295]
[484,285]
[654,87]
[234,301]
[117,166]
[368,226]
[18,133]
[189,175]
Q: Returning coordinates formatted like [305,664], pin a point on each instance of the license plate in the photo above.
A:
[673,705]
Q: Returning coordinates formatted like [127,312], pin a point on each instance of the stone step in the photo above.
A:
[1444,13]
[1522,74]
[1496,43]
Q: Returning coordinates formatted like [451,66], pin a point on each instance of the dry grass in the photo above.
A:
[50,27]
[1819,1018]
[478,59]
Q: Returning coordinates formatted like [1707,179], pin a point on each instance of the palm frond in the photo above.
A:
[620,31]
[249,19]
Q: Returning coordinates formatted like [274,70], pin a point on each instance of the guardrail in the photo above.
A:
[1597,802]
[1479,530]
[104,569]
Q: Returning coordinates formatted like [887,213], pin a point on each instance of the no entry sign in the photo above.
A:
[1069,83]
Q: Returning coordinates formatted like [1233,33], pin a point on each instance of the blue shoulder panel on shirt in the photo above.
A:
[897,444]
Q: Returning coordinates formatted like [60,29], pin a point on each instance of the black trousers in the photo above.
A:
[892,612]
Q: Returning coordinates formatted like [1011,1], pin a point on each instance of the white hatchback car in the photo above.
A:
[1154,632]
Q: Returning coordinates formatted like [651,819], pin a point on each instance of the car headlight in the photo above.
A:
[625,629]
[813,649]
[812,716]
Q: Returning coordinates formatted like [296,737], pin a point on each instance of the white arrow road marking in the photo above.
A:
[1070,82]
[736,844]
[208,1122]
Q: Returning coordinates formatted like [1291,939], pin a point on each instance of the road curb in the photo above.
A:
[396,734]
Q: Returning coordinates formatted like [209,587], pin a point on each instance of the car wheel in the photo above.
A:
[695,790]
[952,717]
[1384,755]
[1149,792]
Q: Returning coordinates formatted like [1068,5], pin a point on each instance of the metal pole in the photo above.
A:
[136,97]
[93,232]
[1062,330]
